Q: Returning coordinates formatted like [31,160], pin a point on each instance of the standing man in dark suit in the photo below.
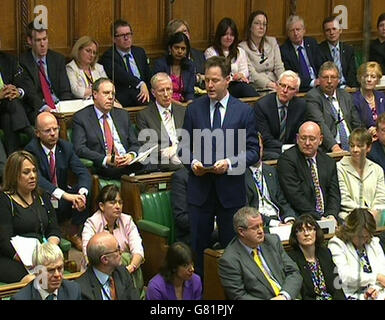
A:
[55,158]
[301,54]
[279,115]
[104,134]
[308,177]
[255,266]
[127,66]
[163,118]
[45,71]
[339,52]
[377,153]
[333,109]
[222,141]
[105,277]
[49,284]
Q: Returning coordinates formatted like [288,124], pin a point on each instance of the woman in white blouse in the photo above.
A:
[226,45]
[264,57]
[83,70]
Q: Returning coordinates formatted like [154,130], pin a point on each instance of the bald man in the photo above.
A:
[308,176]
[56,157]
[105,277]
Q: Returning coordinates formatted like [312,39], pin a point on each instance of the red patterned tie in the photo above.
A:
[108,135]
[45,87]
[52,168]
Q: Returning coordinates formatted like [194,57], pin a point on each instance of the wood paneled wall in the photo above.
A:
[70,19]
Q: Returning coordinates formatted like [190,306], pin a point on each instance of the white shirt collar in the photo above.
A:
[46,150]
[223,101]
[162,109]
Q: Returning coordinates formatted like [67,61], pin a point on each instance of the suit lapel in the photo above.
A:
[271,187]
[178,117]
[230,112]
[32,68]
[94,122]
[270,261]
[308,52]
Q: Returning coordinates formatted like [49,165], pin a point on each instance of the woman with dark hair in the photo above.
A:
[377,46]
[176,279]
[264,57]
[226,45]
[314,261]
[359,257]
[179,67]
[25,211]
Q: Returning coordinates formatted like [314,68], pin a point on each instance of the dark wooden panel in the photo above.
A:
[8,36]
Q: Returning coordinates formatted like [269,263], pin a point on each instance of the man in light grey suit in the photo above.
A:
[276,278]
[164,118]
[333,109]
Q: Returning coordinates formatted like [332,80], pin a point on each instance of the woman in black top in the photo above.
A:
[24,212]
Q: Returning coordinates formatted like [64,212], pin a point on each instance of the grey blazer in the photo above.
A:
[319,111]
[243,280]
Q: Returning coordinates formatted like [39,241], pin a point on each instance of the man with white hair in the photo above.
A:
[49,283]
[280,114]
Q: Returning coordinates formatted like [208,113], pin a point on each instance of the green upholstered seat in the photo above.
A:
[65,245]
[104,182]
[24,139]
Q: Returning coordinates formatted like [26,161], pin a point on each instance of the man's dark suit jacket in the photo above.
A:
[88,136]
[125,82]
[319,111]
[348,61]
[297,184]
[65,160]
[230,189]
[69,290]
[268,124]
[291,61]
[57,75]
[328,268]
[198,59]
[276,194]
[92,289]
[377,53]
[188,76]
[377,154]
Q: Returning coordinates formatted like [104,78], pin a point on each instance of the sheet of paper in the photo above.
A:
[73,105]
[143,155]
[24,247]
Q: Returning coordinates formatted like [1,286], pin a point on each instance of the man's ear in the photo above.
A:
[29,41]
[321,139]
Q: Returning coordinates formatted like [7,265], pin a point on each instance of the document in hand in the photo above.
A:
[143,155]
[24,248]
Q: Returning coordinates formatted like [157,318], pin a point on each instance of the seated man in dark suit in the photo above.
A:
[255,266]
[264,193]
[49,284]
[44,72]
[333,109]
[129,67]
[308,176]
[279,115]
[301,54]
[163,118]
[104,134]
[55,158]
[339,52]
[105,277]
[377,153]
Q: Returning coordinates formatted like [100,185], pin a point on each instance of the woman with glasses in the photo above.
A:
[369,102]
[26,212]
[359,257]
[110,218]
[263,54]
[361,180]
[314,261]
[176,279]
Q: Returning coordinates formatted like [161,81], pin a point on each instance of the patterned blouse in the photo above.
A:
[318,280]
[178,88]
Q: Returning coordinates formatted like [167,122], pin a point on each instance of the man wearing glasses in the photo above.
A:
[55,158]
[127,66]
[105,277]
[280,114]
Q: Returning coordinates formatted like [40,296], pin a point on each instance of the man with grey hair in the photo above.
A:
[49,283]
[339,52]
[333,109]
[255,266]
[280,114]
[105,277]
[164,118]
[301,54]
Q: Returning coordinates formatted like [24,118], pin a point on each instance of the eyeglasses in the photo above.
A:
[118,250]
[48,131]
[307,229]
[285,86]
[124,35]
[329,78]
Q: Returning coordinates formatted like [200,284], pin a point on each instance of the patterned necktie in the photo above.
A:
[51,296]
[1,82]
[344,140]
[258,180]
[337,62]
[113,295]
[45,87]
[52,168]
[170,126]
[130,63]
[108,135]
[304,69]
[282,123]
[319,205]
[259,263]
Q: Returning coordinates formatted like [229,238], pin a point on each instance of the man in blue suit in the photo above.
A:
[55,158]
[377,153]
[217,162]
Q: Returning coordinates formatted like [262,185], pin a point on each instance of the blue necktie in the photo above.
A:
[337,62]
[304,69]
[344,140]
[217,117]
[130,63]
